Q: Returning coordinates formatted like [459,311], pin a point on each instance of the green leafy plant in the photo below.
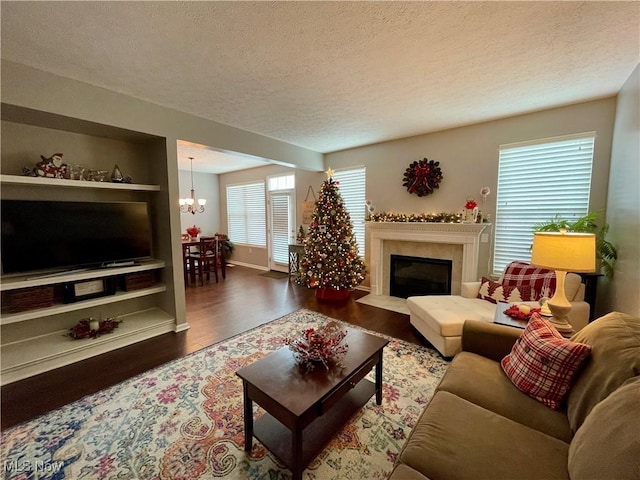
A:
[227,246]
[606,253]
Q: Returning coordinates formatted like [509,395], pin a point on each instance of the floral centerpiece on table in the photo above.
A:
[193,231]
[319,346]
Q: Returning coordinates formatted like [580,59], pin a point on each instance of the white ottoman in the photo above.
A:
[439,318]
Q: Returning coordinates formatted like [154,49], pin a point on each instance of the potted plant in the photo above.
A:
[227,245]
[606,253]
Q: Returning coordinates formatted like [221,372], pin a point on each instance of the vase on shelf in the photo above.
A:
[470,215]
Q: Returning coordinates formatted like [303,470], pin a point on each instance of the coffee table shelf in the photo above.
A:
[278,438]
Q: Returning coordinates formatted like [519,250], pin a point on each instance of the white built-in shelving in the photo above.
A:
[37,340]
[61,183]
[31,356]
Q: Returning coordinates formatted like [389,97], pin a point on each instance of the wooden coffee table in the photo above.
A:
[305,409]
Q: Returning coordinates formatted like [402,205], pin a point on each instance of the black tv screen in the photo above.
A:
[45,235]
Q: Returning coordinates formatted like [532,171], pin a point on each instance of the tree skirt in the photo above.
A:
[184,420]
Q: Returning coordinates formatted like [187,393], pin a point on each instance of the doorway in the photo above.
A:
[281,228]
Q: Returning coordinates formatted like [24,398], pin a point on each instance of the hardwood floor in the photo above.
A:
[215,312]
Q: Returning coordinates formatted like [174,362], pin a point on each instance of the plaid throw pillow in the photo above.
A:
[497,292]
[541,282]
[542,363]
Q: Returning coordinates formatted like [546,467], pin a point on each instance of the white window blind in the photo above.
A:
[246,214]
[536,181]
[280,228]
[352,184]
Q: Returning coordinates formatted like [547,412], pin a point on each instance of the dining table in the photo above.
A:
[189,273]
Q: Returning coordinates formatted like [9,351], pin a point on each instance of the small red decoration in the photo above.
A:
[471,204]
[83,328]
[422,177]
[193,231]
[514,312]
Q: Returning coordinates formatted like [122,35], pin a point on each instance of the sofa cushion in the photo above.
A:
[482,381]
[458,440]
[541,281]
[446,313]
[615,357]
[495,292]
[607,445]
[542,363]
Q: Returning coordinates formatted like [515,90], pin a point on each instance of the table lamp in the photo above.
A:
[563,252]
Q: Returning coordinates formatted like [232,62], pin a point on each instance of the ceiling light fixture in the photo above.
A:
[188,205]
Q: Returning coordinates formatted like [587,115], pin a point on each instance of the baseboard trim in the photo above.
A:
[249,265]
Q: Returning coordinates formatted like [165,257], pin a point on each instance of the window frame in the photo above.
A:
[536,181]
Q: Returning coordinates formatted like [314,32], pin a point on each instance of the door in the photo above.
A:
[281,229]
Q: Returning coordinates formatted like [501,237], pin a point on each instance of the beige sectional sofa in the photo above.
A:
[439,318]
[478,425]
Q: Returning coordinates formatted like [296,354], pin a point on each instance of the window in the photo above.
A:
[281,182]
[352,189]
[536,181]
[246,215]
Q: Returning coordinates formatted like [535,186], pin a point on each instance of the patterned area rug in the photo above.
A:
[183,420]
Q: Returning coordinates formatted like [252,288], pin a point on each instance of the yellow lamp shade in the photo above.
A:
[567,251]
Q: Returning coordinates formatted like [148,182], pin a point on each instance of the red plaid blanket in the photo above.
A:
[541,282]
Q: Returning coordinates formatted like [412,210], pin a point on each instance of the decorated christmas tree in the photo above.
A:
[330,260]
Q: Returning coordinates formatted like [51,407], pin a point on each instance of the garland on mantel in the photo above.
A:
[416,217]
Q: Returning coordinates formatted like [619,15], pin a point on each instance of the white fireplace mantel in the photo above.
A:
[467,235]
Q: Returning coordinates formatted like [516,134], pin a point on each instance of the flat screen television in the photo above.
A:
[47,235]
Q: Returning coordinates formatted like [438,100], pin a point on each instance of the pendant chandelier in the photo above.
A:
[188,205]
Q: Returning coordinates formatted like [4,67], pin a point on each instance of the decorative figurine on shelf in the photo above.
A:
[370,209]
[51,167]
[301,235]
[118,177]
[482,215]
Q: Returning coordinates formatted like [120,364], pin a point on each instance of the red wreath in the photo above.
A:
[422,177]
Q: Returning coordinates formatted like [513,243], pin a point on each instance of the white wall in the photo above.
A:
[206,186]
[468,158]
[623,204]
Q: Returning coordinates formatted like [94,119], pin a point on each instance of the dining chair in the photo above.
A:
[205,261]
[222,263]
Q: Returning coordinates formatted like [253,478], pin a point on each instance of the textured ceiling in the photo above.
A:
[335,75]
